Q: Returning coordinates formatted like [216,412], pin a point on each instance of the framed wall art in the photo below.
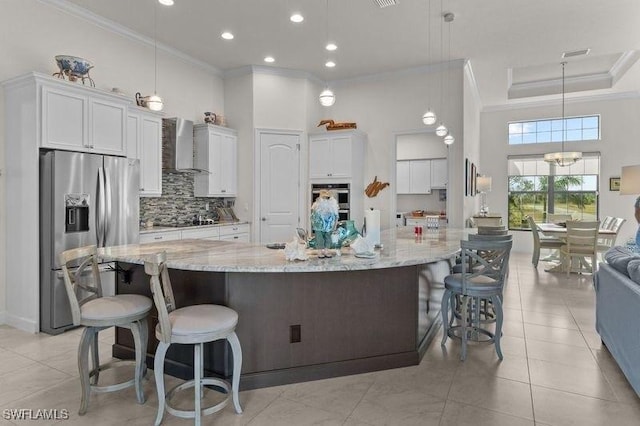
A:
[614,184]
[474,176]
[467,178]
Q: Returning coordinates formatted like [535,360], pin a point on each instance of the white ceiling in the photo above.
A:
[503,39]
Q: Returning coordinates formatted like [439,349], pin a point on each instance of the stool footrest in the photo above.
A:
[190,414]
[455,332]
[116,386]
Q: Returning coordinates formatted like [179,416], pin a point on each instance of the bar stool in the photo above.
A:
[96,313]
[484,281]
[191,325]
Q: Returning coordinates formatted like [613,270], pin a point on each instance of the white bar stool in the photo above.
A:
[193,325]
[90,309]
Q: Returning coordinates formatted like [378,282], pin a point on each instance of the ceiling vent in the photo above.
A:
[575,53]
[385,3]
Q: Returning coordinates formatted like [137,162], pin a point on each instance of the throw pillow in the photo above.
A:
[634,270]
[619,258]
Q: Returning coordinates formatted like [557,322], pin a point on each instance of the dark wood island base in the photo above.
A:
[301,326]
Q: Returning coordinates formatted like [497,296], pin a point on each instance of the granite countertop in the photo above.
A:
[400,248]
[164,228]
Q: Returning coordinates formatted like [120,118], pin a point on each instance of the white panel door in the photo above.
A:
[151,156]
[229,166]
[439,173]
[279,186]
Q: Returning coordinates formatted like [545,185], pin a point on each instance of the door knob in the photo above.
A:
[264,219]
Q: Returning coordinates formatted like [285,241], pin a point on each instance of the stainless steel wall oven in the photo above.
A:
[342,194]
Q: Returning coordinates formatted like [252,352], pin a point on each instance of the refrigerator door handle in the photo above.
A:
[100,208]
[107,210]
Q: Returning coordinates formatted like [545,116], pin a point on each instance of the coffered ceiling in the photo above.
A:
[515,46]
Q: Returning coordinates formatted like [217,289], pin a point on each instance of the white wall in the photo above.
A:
[472,144]
[385,106]
[415,146]
[618,147]
[33,32]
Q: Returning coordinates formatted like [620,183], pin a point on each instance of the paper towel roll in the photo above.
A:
[372,226]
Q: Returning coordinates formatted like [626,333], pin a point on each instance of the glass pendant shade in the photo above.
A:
[564,158]
[449,139]
[441,130]
[429,118]
[327,98]
[154,103]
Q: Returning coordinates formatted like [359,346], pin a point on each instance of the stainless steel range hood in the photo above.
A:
[177,146]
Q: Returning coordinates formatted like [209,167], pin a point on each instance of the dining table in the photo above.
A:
[560,231]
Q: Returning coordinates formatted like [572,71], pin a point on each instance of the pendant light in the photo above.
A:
[429,118]
[563,158]
[327,98]
[153,102]
[441,130]
[449,139]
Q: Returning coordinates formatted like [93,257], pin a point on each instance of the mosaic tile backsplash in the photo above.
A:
[177,205]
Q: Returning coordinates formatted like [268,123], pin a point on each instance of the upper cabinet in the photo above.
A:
[336,155]
[421,176]
[439,173]
[216,150]
[413,177]
[144,142]
[82,119]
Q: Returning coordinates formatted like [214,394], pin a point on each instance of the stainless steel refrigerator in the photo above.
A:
[85,199]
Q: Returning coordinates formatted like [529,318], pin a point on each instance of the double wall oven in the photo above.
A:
[341,192]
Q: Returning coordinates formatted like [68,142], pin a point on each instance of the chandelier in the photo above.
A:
[563,158]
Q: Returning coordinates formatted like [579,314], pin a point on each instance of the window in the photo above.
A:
[537,188]
[585,128]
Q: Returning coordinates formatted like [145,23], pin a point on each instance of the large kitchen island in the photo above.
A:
[302,320]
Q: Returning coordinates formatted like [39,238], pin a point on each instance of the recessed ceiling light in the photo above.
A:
[269,59]
[330,64]
[331,47]
[297,18]
[227,35]
[166,2]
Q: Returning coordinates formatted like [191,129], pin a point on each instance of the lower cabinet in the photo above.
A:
[232,232]
[154,237]
[235,233]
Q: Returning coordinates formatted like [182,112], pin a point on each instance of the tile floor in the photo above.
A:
[555,372]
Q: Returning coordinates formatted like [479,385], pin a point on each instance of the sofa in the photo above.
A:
[617,285]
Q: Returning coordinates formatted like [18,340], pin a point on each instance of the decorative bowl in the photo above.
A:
[73,65]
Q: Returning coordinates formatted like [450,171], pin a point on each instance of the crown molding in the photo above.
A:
[109,25]
[554,102]
[595,81]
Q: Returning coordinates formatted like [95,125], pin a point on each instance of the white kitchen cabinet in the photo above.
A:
[208,233]
[413,177]
[154,237]
[82,119]
[439,173]
[216,150]
[144,142]
[235,232]
[336,155]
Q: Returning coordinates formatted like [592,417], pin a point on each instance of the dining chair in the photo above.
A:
[191,325]
[606,222]
[605,242]
[581,242]
[539,242]
[89,308]
[483,282]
